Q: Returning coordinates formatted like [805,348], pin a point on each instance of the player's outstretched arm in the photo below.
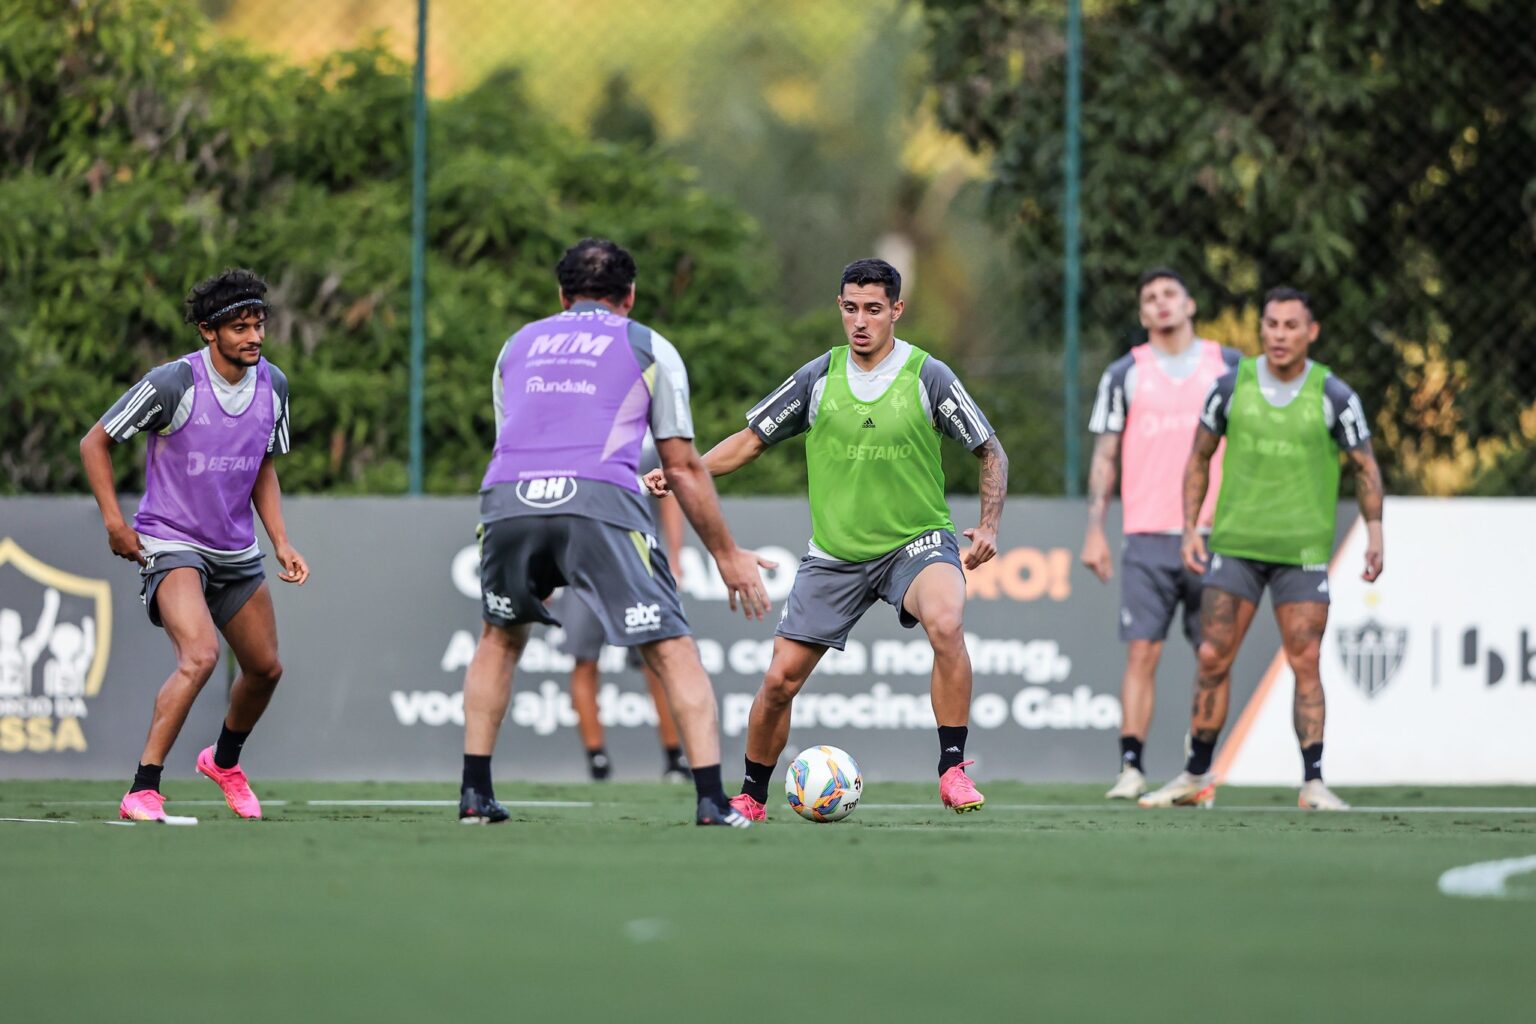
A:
[994,489]
[267,496]
[726,457]
[1103,472]
[1197,480]
[1368,493]
[96,457]
[694,486]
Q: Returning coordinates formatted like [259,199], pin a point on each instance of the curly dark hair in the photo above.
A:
[225,297]
[595,268]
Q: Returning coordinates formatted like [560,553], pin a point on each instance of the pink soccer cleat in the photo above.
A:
[232,781]
[957,790]
[749,807]
[142,805]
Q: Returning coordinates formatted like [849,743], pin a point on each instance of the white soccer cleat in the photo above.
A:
[1317,797]
[1130,785]
[1183,790]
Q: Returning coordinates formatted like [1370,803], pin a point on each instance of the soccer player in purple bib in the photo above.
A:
[561,505]
[215,419]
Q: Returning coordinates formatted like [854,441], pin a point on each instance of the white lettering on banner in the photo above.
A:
[1443,645]
[465,570]
[1038,708]
[702,582]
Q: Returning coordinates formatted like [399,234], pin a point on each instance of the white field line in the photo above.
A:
[39,821]
[1485,880]
[443,803]
[1127,808]
[178,803]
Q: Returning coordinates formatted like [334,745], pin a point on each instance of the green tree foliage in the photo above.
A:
[1380,155]
[140,155]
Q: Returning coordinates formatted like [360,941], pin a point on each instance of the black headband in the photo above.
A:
[215,316]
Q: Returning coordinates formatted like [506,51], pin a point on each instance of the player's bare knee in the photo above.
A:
[946,632]
[266,674]
[1213,659]
[779,689]
[197,661]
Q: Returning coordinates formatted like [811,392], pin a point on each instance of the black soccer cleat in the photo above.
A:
[475,809]
[711,813]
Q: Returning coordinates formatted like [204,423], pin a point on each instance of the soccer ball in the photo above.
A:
[823,784]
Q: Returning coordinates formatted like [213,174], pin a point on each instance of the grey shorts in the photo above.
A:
[226,587]
[583,631]
[1288,584]
[1154,586]
[620,575]
[829,597]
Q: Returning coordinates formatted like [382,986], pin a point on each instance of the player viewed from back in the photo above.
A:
[561,505]
[1147,409]
[215,419]
[1285,419]
[584,642]
[874,411]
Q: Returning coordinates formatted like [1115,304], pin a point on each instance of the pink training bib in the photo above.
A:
[1159,432]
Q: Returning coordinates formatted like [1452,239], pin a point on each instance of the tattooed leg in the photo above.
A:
[1224,620]
[1301,632]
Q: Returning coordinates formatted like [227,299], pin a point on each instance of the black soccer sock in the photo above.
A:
[477,775]
[1130,753]
[147,777]
[1200,754]
[599,764]
[951,746]
[675,760]
[1312,763]
[226,752]
[754,781]
[706,781]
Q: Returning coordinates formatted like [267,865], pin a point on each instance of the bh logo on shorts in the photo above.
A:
[498,604]
[642,618]
[546,492]
[55,634]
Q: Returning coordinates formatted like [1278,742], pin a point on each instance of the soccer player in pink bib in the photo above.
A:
[215,418]
[1145,416]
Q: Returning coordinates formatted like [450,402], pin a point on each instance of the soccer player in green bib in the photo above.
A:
[874,411]
[1285,419]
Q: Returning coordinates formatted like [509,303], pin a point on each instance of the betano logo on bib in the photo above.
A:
[49,672]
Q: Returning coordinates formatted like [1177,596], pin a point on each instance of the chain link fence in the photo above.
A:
[1383,159]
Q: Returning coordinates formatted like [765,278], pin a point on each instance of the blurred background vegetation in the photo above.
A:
[1382,158]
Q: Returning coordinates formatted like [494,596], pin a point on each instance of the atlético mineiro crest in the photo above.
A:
[55,636]
[1372,653]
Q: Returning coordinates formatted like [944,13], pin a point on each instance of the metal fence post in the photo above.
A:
[1071,257]
[418,246]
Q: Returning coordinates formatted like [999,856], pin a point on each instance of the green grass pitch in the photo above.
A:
[1048,905]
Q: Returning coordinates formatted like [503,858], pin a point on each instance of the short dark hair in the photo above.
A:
[872,271]
[1285,293]
[1160,274]
[596,268]
[225,297]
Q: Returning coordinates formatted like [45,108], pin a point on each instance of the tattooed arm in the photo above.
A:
[1197,480]
[1102,475]
[1368,492]
[994,488]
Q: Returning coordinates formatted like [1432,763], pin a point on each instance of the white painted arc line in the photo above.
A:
[1484,880]
[39,821]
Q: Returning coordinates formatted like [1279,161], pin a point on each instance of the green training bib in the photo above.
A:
[875,475]
[1280,477]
